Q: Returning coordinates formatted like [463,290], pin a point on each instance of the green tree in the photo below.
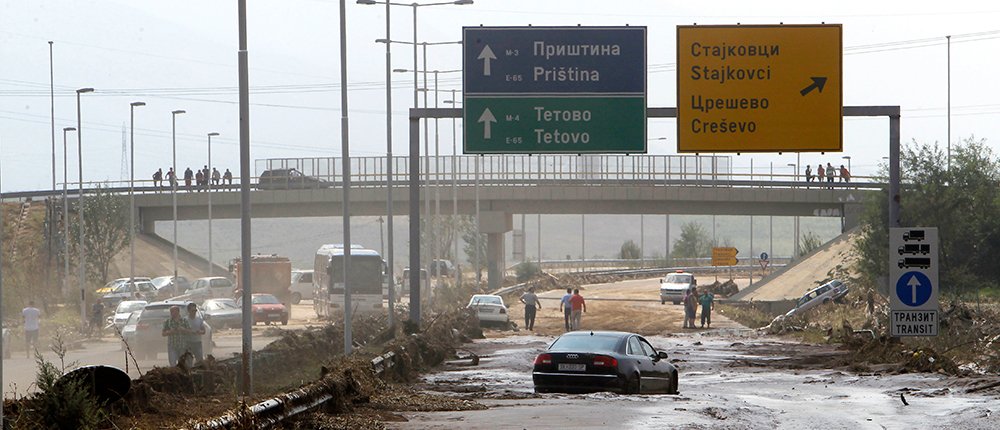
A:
[963,203]
[106,217]
[808,243]
[475,251]
[630,251]
[693,243]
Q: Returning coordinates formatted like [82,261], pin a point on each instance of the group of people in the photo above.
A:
[572,305]
[829,172]
[201,178]
[691,302]
[184,334]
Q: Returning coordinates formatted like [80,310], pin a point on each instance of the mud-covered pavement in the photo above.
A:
[729,378]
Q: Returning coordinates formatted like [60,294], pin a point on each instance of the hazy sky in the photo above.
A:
[181,54]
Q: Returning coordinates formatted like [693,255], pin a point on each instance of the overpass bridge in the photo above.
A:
[507,185]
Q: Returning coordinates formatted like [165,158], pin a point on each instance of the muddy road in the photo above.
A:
[730,377]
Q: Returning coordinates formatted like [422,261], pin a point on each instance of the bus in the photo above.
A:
[365,280]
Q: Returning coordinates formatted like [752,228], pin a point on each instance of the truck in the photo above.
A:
[915,248]
[269,274]
[915,235]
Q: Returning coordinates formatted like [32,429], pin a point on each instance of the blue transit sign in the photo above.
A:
[605,60]
[914,288]
[764,256]
[570,90]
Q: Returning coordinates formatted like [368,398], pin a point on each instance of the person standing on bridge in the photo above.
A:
[579,306]
[188,176]
[566,307]
[172,177]
[845,176]
[820,172]
[531,306]
[228,177]
[809,173]
[215,176]
[158,178]
[830,173]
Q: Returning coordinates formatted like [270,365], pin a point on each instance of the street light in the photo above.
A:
[83,256]
[848,158]
[65,214]
[173,182]
[208,181]
[795,170]
[131,191]
[454,183]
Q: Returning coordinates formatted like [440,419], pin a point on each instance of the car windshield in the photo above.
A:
[126,307]
[133,317]
[676,278]
[266,299]
[592,343]
[486,300]
[218,305]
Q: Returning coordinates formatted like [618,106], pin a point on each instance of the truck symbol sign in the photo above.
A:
[908,262]
[914,249]
[916,235]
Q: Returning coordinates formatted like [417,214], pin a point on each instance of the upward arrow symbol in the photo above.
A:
[486,55]
[487,119]
[914,283]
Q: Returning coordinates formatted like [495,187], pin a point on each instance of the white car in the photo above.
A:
[302,285]
[675,285]
[826,293]
[124,309]
[490,309]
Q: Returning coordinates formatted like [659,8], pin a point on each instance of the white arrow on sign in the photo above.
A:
[914,283]
[486,56]
[487,119]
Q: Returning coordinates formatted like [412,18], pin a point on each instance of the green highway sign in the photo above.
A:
[570,90]
[572,125]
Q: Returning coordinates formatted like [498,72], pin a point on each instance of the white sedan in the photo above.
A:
[490,309]
[124,309]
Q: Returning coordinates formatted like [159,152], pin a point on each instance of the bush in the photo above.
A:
[526,271]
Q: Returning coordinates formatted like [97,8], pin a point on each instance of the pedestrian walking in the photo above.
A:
[690,307]
[228,176]
[158,178]
[566,307]
[707,301]
[531,306]
[96,317]
[32,322]
[175,329]
[845,176]
[188,176]
[215,176]
[197,326]
[809,173]
[579,306]
[830,172]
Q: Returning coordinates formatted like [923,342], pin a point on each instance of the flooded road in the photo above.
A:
[730,378]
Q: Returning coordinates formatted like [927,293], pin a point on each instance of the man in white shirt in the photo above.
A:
[32,317]
[197,325]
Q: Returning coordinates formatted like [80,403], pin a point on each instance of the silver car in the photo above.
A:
[826,293]
[122,312]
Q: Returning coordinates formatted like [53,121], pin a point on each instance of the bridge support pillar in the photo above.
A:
[494,224]
[852,216]
[147,224]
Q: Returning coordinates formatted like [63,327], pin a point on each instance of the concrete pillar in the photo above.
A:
[494,224]
[148,224]
[852,216]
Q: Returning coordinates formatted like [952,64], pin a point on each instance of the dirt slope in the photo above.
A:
[807,272]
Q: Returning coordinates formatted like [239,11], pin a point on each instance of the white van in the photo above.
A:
[302,285]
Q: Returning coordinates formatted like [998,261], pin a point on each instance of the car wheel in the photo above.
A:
[663,302]
[296,298]
[632,385]
[673,384]
[284,321]
[677,303]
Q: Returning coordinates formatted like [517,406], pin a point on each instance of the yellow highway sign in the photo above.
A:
[724,256]
[759,88]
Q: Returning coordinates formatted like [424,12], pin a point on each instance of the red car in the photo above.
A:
[267,309]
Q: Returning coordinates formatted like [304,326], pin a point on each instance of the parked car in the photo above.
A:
[490,309]
[441,268]
[289,179]
[302,285]
[149,341]
[110,286]
[266,309]
[675,285]
[215,287]
[166,288]
[826,293]
[222,313]
[585,361]
[140,290]
[128,328]
[122,312]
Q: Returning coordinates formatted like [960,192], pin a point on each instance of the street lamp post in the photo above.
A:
[131,190]
[208,181]
[173,184]
[65,214]
[795,249]
[454,182]
[81,246]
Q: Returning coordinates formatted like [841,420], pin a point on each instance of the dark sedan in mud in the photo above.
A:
[589,361]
